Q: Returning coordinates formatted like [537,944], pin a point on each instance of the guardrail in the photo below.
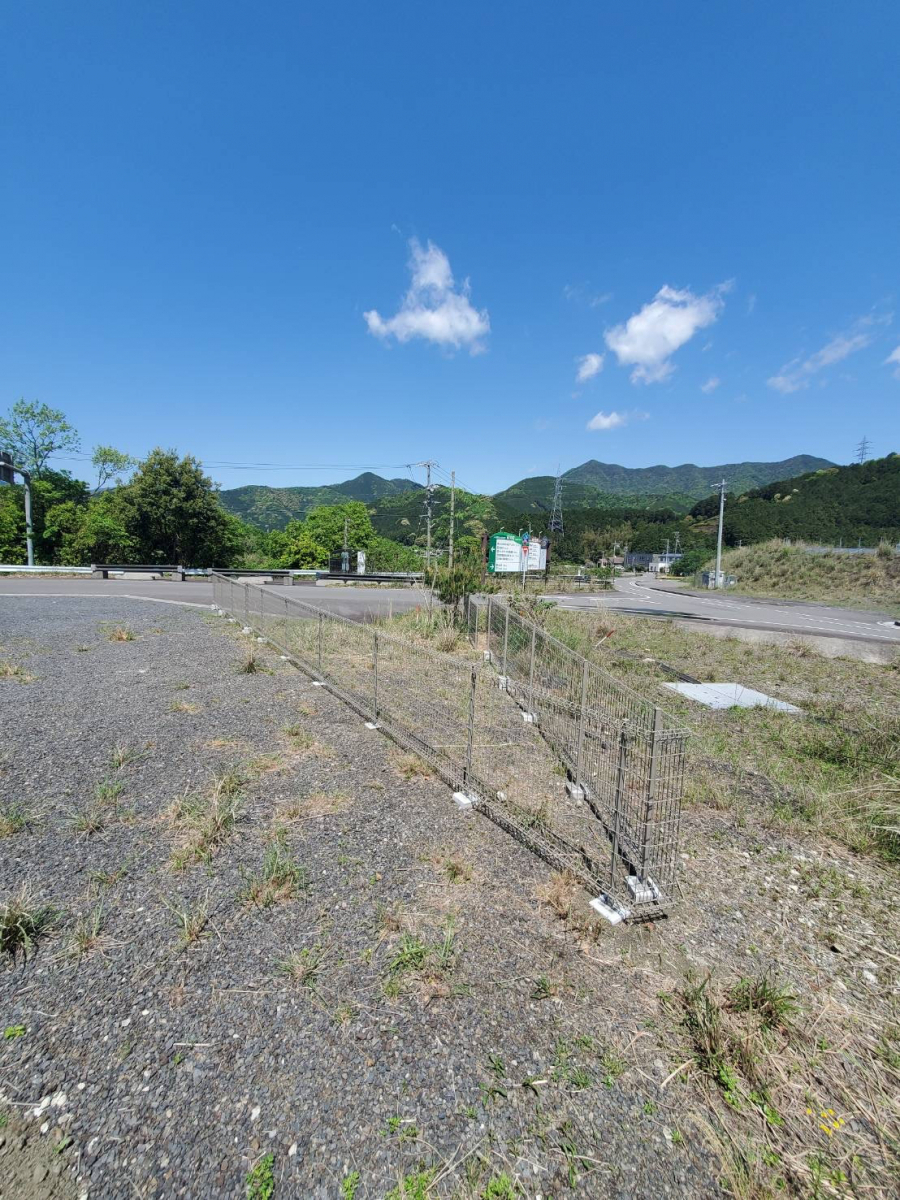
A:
[492,748]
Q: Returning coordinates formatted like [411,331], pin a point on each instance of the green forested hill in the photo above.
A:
[272,508]
[856,503]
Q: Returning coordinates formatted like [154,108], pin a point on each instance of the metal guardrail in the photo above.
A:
[485,742]
[13,569]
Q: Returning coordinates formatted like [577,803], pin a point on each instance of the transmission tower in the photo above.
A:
[862,450]
[556,517]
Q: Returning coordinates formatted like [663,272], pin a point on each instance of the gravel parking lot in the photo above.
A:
[278,954]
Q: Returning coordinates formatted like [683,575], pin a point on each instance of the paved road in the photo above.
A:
[356,603]
[647,598]
[637,597]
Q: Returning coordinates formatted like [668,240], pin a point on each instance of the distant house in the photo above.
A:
[660,564]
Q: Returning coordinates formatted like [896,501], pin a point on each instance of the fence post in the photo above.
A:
[470,732]
[489,625]
[652,777]
[247,604]
[320,643]
[579,750]
[375,671]
[531,671]
[505,646]
[619,798]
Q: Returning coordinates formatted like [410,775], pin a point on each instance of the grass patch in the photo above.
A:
[23,922]
[207,819]
[260,1179]
[191,919]
[121,633]
[14,672]
[410,766]
[12,820]
[280,878]
[183,706]
[302,967]
[88,936]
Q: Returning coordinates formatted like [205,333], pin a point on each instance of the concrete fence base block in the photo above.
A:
[463,802]
[643,891]
[246,629]
[487,656]
[259,639]
[372,725]
[503,682]
[574,790]
[284,658]
[609,910]
[318,683]
[529,718]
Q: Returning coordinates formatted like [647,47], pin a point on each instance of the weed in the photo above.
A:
[209,819]
[281,878]
[23,922]
[649,1108]
[457,871]
[403,1129]
[302,966]
[319,804]
[108,789]
[88,934]
[413,1187]
[349,1184]
[121,633]
[122,755]
[677,1137]
[580,1078]
[411,955]
[11,670]
[12,820]
[560,893]
[500,1187]
[182,706]
[124,1050]
[613,1066]
[14,1031]
[543,989]
[497,1065]
[105,879]
[89,821]
[410,766]
[260,1179]
[771,1002]
[191,919]
[249,666]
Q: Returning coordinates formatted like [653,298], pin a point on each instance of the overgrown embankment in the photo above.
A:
[796,573]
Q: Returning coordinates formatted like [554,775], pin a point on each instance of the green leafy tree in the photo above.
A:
[452,584]
[310,543]
[171,510]
[31,432]
[110,465]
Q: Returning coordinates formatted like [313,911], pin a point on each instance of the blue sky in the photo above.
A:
[369,234]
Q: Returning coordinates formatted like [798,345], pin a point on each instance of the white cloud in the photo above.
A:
[649,338]
[589,365]
[433,308]
[603,421]
[751,303]
[711,384]
[894,357]
[797,373]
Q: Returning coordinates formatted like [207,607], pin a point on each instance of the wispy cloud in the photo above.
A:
[649,338]
[433,308]
[751,303]
[711,384]
[582,292]
[612,420]
[589,365]
[797,374]
[894,357]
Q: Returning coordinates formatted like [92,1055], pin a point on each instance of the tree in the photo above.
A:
[171,510]
[110,464]
[31,432]
[310,543]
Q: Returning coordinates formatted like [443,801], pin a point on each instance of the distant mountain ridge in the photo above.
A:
[593,485]
[272,507]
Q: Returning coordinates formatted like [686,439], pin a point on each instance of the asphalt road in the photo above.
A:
[640,597]
[634,596]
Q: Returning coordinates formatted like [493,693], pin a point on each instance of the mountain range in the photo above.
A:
[592,485]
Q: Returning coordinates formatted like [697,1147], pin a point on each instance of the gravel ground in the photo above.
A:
[443,1028]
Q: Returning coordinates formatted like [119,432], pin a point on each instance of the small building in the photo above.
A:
[659,564]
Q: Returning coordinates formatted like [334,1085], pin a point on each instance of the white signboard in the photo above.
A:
[507,555]
[537,555]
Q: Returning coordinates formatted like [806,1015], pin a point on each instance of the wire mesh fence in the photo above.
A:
[507,732]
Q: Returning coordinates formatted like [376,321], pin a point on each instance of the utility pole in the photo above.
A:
[429,490]
[345,553]
[721,489]
[8,470]
[862,450]
[452,513]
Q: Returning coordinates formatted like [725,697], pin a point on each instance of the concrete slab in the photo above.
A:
[729,695]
